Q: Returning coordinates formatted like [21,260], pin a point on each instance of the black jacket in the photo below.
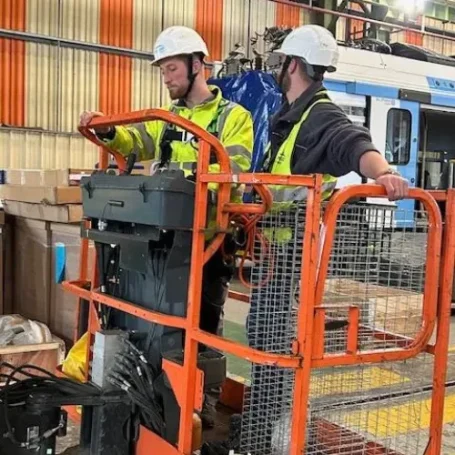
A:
[327,143]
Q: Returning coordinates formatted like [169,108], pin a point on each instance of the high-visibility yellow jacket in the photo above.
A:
[285,195]
[230,122]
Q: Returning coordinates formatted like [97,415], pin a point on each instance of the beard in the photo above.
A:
[177,93]
[283,81]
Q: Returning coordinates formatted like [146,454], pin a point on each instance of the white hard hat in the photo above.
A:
[314,44]
[178,40]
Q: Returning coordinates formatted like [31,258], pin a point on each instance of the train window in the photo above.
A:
[398,138]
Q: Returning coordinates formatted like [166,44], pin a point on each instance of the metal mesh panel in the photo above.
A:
[271,326]
[384,406]
[379,268]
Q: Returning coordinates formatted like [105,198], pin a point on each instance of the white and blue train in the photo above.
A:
[409,107]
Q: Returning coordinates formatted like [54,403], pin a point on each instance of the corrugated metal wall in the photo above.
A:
[148,20]
[440,45]
[44,88]
[209,24]
[262,14]
[12,64]
[35,149]
[236,15]
[115,72]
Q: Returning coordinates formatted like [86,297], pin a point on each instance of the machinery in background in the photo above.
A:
[31,415]
[238,61]
[125,392]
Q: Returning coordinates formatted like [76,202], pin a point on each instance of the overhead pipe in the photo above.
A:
[317,9]
[73,44]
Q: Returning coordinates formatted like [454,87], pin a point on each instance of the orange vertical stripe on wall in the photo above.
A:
[287,16]
[12,64]
[356,29]
[115,78]
[209,24]
[414,37]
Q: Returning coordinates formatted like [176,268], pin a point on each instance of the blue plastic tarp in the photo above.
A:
[257,92]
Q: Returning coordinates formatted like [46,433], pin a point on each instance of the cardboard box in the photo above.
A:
[47,177]
[42,194]
[393,310]
[70,213]
[37,294]
[75,176]
[37,177]
[6,266]
[399,314]
[32,269]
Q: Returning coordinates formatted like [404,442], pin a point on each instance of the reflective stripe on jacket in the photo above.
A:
[286,194]
[288,197]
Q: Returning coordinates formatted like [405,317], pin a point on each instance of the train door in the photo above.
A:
[394,126]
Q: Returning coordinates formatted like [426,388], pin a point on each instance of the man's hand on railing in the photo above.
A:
[87,116]
[396,186]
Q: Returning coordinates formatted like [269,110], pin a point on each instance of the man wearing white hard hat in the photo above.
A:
[179,52]
[309,135]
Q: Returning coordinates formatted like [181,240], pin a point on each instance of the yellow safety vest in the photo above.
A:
[286,196]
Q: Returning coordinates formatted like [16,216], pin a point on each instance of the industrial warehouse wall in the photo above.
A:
[43,88]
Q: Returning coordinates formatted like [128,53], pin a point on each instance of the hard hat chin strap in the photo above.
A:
[191,75]
[316,73]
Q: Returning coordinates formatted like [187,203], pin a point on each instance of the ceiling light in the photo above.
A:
[412,6]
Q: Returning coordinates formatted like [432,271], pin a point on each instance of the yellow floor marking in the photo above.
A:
[451,348]
[400,419]
[353,381]
[237,378]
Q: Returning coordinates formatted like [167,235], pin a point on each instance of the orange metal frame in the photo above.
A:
[307,354]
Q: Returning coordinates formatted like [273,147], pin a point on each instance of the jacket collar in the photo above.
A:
[211,101]
[293,113]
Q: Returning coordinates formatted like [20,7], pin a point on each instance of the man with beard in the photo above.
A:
[309,135]
[179,52]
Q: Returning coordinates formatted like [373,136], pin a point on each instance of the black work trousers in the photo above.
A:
[215,282]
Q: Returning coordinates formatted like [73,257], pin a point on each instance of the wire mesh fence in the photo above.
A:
[379,269]
[271,324]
